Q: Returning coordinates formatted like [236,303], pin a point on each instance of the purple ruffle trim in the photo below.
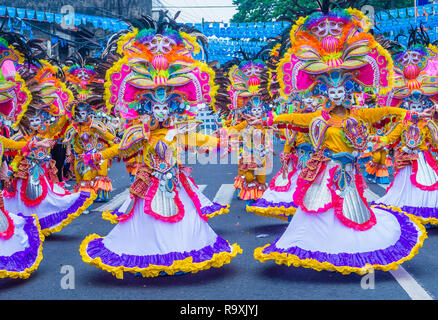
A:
[57,217]
[215,207]
[263,203]
[117,213]
[422,212]
[96,249]
[22,260]
[401,249]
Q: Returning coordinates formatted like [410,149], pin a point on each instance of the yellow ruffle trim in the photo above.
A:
[290,259]
[72,216]
[186,265]
[281,213]
[109,216]
[219,212]
[26,273]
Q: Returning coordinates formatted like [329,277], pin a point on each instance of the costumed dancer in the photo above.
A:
[162,227]
[86,134]
[334,228]
[255,142]
[131,119]
[277,200]
[415,185]
[20,235]
[34,188]
[378,164]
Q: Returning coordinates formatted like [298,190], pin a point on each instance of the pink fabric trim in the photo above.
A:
[193,196]
[10,230]
[61,185]
[432,163]
[303,186]
[148,201]
[126,216]
[11,194]
[31,203]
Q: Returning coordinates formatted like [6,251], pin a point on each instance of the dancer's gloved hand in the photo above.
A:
[46,143]
[90,158]
[5,173]
[252,120]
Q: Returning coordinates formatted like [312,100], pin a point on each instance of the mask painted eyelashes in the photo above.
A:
[410,57]
[326,28]
[161,44]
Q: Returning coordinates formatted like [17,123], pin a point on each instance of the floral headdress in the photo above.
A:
[244,83]
[330,41]
[156,54]
[415,81]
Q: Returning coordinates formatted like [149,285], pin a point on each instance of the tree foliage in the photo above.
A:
[271,10]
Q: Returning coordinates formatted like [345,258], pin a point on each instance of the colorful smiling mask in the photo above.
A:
[415,87]
[80,73]
[52,90]
[332,48]
[14,95]
[159,55]
[243,86]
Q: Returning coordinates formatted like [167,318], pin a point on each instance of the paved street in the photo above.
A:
[243,278]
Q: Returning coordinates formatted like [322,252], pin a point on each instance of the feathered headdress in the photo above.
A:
[156,54]
[334,40]
[244,82]
[415,66]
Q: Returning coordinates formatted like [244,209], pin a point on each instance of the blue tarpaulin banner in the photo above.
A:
[30,14]
[58,18]
[11,12]
[40,15]
[50,17]
[21,13]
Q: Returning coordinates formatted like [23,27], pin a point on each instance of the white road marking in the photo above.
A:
[370,196]
[410,285]
[404,279]
[225,194]
[114,203]
[118,200]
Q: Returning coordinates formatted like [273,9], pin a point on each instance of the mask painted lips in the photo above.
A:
[6,106]
[6,98]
